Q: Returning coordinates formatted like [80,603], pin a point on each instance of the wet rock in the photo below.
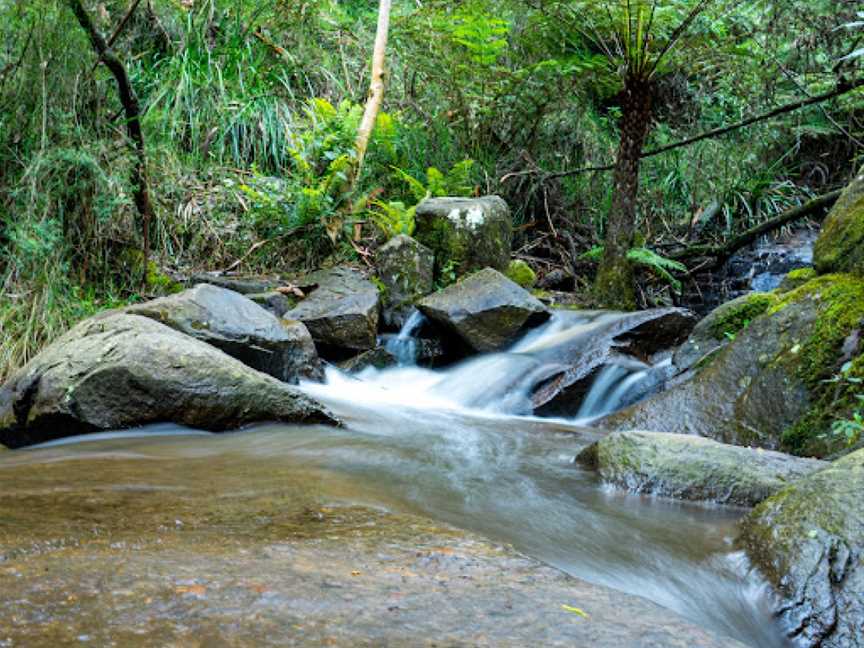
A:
[466,234]
[239,327]
[342,312]
[120,370]
[693,468]
[485,309]
[721,326]
[840,247]
[379,358]
[595,340]
[769,386]
[405,268]
[809,541]
[557,280]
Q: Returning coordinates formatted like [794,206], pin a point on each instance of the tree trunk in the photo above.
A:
[133,121]
[376,86]
[614,286]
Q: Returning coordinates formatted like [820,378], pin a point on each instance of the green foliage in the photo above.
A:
[393,218]
[649,259]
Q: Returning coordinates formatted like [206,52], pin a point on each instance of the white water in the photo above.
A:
[446,444]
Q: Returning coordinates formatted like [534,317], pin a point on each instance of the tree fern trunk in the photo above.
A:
[614,286]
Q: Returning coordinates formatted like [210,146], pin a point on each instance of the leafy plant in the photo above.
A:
[647,258]
[456,182]
[393,218]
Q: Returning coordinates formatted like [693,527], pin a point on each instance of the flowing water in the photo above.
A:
[451,445]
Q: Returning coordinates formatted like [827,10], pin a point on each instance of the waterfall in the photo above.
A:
[403,346]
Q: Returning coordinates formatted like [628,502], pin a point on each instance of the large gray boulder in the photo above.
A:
[809,541]
[693,468]
[239,327]
[485,309]
[120,370]
[466,234]
[342,312]
[771,385]
[406,269]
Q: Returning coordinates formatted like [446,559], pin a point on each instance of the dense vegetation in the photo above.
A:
[249,113]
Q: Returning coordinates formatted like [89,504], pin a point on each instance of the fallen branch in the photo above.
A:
[817,206]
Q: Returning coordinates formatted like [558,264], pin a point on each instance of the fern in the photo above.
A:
[647,258]
[393,218]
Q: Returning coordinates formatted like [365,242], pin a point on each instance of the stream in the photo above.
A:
[452,445]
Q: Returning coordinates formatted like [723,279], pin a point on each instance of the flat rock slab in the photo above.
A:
[239,327]
[243,564]
[485,309]
[694,468]
[342,312]
[809,540]
[118,371]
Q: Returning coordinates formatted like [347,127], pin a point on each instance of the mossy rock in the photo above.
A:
[796,279]
[405,275]
[721,326]
[693,468]
[465,234]
[840,246]
[521,273]
[770,386]
[809,541]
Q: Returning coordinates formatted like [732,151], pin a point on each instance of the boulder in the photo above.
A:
[120,370]
[693,468]
[465,234]
[342,312]
[840,246]
[485,309]
[243,284]
[239,327]
[808,539]
[773,385]
[405,268]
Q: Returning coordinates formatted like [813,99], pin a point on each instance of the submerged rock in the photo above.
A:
[227,552]
[240,328]
[405,268]
[466,234]
[769,386]
[485,309]
[342,313]
[809,540]
[693,468]
[840,246]
[120,370]
[379,358]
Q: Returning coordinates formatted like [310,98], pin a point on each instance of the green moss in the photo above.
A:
[521,273]
[840,247]
[739,317]
[161,282]
[614,287]
[839,301]
[796,279]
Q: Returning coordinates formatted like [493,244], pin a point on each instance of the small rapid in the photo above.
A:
[460,445]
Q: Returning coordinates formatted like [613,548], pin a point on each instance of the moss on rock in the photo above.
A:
[796,279]
[521,273]
[840,247]
[737,315]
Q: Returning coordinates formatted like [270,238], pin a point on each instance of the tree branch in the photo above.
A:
[818,205]
[839,91]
